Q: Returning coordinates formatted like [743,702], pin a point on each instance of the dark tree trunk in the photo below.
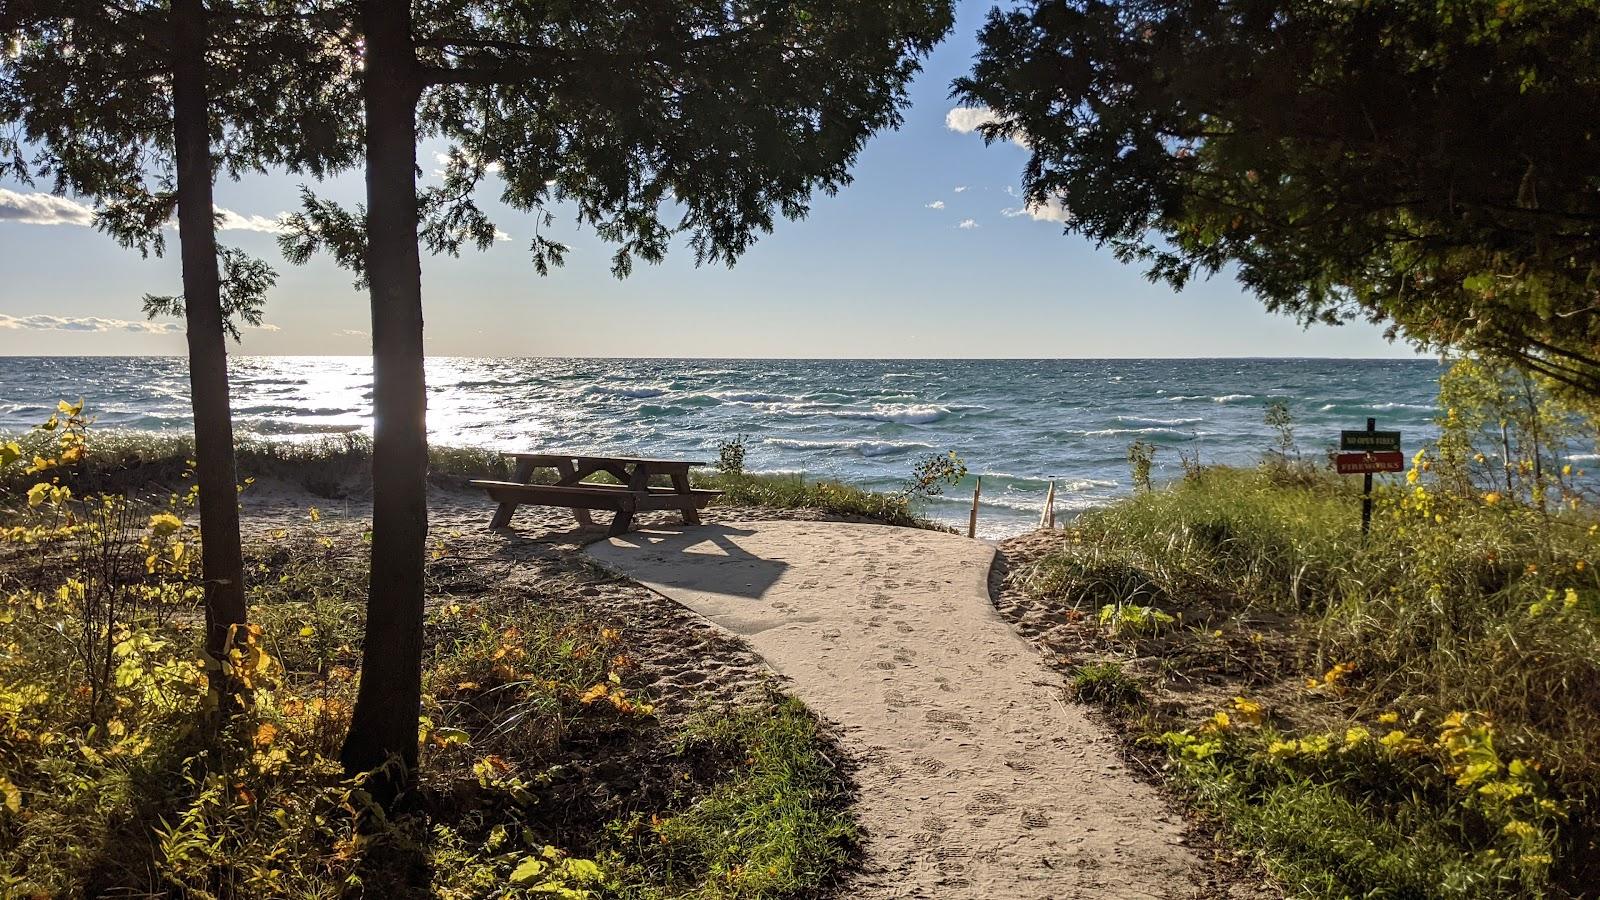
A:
[222,562]
[385,722]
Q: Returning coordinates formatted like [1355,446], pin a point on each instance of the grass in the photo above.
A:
[547,769]
[333,466]
[1107,684]
[795,492]
[1413,713]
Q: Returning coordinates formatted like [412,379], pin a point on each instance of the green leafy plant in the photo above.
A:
[1133,620]
[730,456]
[932,474]
[1141,457]
[1279,419]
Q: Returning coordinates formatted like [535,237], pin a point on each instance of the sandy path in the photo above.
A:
[977,778]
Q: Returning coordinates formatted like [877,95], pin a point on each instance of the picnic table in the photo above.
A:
[570,491]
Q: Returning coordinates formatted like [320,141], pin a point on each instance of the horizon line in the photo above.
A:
[1417,358]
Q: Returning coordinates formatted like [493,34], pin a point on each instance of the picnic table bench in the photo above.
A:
[570,491]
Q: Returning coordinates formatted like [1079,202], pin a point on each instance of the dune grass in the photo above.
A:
[796,492]
[332,466]
[1414,713]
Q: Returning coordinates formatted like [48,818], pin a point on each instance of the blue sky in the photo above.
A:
[884,269]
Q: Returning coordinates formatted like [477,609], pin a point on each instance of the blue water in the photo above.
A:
[1018,423]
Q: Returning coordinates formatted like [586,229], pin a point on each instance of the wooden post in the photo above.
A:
[1047,516]
[972,520]
[1366,489]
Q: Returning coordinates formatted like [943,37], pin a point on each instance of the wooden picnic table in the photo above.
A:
[570,491]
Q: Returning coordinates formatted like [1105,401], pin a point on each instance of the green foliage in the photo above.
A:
[245,282]
[932,474]
[1336,156]
[152,794]
[1454,650]
[89,92]
[795,492]
[1494,412]
[551,99]
[776,828]
[1108,685]
[1141,456]
[1279,419]
[117,775]
[1419,810]
[730,456]
[1133,620]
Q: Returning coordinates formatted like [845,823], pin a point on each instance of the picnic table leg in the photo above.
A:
[639,482]
[680,483]
[502,514]
[569,475]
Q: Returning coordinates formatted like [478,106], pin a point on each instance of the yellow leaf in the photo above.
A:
[266,733]
[11,795]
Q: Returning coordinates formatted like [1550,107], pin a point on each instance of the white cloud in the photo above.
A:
[232,221]
[1050,211]
[937,204]
[86,324]
[49,209]
[351,332]
[42,209]
[968,224]
[99,325]
[967,119]
[443,159]
[961,189]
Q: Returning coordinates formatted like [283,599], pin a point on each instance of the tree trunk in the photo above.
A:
[385,722]
[222,562]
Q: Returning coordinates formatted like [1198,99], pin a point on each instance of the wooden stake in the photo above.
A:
[1047,516]
[972,521]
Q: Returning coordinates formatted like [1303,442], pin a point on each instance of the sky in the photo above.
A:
[927,254]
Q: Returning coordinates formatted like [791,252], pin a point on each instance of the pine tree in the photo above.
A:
[650,119]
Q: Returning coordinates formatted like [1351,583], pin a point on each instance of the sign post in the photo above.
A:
[1366,452]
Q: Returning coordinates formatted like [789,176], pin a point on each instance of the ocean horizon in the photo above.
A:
[1017,423]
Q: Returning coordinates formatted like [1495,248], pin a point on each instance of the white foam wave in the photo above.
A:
[752,397]
[896,413]
[1232,398]
[869,449]
[639,392]
[1153,429]
[1393,405]
[1140,420]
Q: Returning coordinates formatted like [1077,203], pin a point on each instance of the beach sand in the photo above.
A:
[977,778]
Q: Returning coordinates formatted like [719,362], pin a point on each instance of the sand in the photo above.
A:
[977,778]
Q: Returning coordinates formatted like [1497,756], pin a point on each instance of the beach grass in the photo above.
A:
[1410,713]
[335,465]
[547,767]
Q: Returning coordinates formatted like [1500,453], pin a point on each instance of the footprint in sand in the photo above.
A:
[986,803]
[957,800]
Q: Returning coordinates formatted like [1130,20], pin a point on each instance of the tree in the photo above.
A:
[652,119]
[119,103]
[1427,164]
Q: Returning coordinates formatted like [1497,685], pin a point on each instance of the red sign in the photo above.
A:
[1363,463]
